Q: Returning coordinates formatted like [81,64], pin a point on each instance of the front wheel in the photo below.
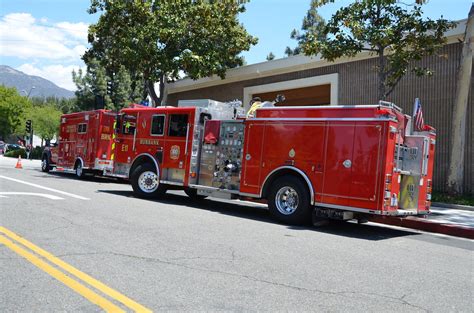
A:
[79,170]
[289,201]
[145,182]
[45,167]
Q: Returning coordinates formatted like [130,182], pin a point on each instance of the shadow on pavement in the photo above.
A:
[86,178]
[258,213]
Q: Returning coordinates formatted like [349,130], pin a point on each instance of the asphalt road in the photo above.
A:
[178,255]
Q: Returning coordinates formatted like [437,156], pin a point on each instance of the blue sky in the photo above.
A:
[47,37]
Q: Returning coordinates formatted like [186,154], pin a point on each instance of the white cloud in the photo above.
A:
[24,37]
[58,74]
[76,30]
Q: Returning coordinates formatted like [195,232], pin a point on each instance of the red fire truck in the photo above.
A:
[84,143]
[343,162]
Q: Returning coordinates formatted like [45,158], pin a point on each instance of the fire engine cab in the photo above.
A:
[84,143]
[343,162]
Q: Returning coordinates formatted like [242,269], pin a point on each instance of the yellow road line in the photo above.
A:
[71,283]
[72,270]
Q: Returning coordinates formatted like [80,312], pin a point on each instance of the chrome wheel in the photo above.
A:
[148,181]
[286,200]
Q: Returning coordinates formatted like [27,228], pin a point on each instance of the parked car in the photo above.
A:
[2,147]
[11,147]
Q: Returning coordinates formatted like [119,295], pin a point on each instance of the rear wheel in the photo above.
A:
[45,167]
[192,193]
[289,201]
[145,182]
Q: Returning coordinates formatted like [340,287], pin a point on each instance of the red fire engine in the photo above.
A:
[84,143]
[343,162]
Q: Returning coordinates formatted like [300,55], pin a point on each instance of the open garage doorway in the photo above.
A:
[306,96]
[310,91]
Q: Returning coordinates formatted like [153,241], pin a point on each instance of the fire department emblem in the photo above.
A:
[174,152]
[292,153]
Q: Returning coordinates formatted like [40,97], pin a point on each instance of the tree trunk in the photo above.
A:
[164,98]
[150,85]
[157,100]
[458,134]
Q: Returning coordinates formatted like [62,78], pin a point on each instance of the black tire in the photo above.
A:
[45,167]
[294,190]
[145,189]
[79,170]
[192,193]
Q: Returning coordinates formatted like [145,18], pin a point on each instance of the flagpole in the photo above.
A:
[415,105]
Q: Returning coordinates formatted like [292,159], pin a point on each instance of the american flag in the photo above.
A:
[418,122]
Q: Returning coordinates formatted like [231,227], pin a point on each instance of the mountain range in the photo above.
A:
[24,84]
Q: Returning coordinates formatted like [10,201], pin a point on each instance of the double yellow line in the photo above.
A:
[15,243]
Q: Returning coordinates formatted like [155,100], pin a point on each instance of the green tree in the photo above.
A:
[162,40]
[122,89]
[92,86]
[65,105]
[84,90]
[115,89]
[396,35]
[313,24]
[13,108]
[45,120]
[270,56]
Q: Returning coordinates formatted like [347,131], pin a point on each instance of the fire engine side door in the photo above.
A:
[92,131]
[175,150]
[125,139]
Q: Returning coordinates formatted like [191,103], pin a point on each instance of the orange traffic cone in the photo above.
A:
[18,163]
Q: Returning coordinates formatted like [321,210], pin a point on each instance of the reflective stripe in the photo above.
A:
[112,154]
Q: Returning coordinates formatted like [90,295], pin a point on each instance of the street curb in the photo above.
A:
[452,206]
[426,225]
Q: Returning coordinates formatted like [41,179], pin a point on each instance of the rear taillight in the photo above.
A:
[389,198]
[388,184]
[429,189]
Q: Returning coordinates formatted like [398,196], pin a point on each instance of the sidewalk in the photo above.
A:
[452,216]
[446,221]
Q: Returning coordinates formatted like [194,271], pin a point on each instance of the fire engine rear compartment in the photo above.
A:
[347,161]
[85,141]
[343,160]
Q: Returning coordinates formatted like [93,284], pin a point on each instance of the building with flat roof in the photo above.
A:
[350,81]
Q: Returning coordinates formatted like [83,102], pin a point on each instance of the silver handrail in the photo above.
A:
[390,105]
[187,137]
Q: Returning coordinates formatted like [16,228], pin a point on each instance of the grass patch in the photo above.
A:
[445,198]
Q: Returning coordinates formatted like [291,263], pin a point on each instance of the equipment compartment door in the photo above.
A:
[175,150]
[252,158]
[338,163]
[366,164]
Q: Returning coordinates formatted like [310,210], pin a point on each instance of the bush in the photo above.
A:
[36,153]
[16,153]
